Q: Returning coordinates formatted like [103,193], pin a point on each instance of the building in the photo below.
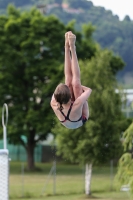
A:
[127,107]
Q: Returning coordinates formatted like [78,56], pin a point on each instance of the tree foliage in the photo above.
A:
[31,46]
[125,173]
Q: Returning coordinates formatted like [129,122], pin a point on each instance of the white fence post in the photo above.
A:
[4,159]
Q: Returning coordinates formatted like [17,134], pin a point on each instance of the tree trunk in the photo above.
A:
[88,173]
[29,147]
[30,157]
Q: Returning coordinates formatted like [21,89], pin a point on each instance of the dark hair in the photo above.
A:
[62,94]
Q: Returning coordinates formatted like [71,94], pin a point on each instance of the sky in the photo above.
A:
[118,7]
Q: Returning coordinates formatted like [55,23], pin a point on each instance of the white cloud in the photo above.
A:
[119,7]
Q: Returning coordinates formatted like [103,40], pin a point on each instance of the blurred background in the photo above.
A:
[49,161]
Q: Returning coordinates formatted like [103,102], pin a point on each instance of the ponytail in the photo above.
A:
[61,107]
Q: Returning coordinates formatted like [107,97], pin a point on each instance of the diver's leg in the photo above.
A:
[67,66]
[76,83]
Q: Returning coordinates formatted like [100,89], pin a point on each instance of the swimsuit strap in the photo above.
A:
[67,117]
[62,113]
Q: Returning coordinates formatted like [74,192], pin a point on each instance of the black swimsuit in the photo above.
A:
[83,118]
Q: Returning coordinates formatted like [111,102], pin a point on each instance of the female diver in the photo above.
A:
[69,101]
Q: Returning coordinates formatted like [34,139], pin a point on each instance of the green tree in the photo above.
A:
[99,140]
[29,70]
[125,168]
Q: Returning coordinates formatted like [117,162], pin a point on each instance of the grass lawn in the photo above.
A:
[69,184]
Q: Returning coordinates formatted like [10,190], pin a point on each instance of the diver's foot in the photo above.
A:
[72,40]
[66,40]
